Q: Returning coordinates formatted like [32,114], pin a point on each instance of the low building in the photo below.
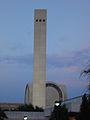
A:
[73,104]
[54,93]
[18,115]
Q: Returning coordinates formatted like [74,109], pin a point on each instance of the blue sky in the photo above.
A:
[68,45]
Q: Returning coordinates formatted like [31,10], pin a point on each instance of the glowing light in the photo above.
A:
[25,117]
[57,104]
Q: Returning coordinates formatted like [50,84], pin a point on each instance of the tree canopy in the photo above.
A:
[86,73]
[59,112]
[2,115]
[85,108]
[29,108]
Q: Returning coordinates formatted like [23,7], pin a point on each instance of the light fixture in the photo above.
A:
[25,117]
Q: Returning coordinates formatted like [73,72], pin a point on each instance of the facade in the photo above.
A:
[53,91]
[40,93]
[20,115]
[73,104]
[39,73]
[28,94]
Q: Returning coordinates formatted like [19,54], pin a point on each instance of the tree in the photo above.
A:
[85,108]
[26,108]
[2,115]
[60,112]
[86,73]
[38,109]
[30,107]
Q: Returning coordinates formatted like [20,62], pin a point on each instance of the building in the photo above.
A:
[73,104]
[40,93]
[21,115]
[39,73]
[54,93]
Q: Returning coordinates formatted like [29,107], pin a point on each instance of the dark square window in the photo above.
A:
[43,20]
[36,20]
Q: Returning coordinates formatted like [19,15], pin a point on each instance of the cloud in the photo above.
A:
[74,58]
[67,69]
[26,59]
[16,71]
[63,71]
[71,59]
[71,69]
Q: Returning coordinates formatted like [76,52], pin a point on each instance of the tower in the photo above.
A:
[39,69]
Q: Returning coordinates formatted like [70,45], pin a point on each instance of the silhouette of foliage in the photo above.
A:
[85,108]
[29,108]
[60,112]
[86,73]
[2,115]
[26,108]
[38,109]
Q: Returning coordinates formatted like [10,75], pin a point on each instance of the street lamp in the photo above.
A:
[57,103]
[25,117]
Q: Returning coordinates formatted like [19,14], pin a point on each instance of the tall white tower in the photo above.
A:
[39,72]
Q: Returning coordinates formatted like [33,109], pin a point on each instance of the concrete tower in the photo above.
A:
[39,73]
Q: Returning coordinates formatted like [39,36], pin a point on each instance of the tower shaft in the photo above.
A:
[39,74]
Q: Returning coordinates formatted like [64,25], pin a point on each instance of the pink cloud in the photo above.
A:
[70,69]
[63,70]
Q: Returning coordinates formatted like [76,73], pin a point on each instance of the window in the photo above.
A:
[43,20]
[36,20]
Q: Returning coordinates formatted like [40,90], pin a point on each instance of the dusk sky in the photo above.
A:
[68,45]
